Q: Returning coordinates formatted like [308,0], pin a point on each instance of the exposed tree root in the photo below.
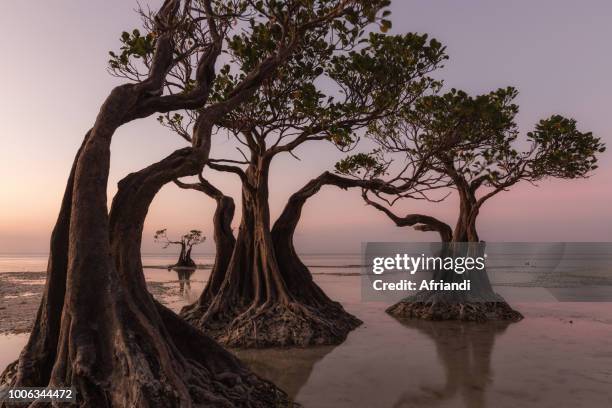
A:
[281,325]
[232,384]
[196,372]
[115,344]
[9,373]
[439,306]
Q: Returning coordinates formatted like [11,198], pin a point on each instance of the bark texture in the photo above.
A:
[465,229]
[124,348]
[38,356]
[267,296]
[98,330]
[199,360]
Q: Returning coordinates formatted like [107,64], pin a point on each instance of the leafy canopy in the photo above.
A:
[472,141]
[188,240]
[342,76]
[327,93]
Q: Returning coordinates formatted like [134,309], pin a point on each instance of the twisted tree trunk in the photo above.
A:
[184,259]
[202,368]
[265,300]
[98,330]
[72,341]
[38,356]
[283,231]
[268,296]
[88,343]
[465,229]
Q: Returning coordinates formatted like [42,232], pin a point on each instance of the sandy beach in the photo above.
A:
[559,356]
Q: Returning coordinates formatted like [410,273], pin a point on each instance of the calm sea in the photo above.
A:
[38,262]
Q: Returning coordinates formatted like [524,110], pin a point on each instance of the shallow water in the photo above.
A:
[543,361]
[560,355]
[38,262]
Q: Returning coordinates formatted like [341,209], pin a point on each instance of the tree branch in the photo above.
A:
[418,221]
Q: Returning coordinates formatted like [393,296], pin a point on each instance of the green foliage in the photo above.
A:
[264,20]
[471,135]
[362,165]
[561,150]
[475,133]
[471,141]
[252,31]
[333,93]
[175,120]
[387,69]
[134,45]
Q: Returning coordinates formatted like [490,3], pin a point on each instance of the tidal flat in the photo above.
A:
[560,355]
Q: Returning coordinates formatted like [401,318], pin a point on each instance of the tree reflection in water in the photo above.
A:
[465,350]
[184,278]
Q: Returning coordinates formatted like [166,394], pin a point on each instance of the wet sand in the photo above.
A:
[20,294]
[560,355]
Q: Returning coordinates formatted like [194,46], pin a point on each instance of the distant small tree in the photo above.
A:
[186,242]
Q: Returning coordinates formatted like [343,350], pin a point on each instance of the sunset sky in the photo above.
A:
[54,53]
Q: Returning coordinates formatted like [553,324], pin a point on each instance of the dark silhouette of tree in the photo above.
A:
[98,329]
[184,279]
[186,242]
[332,89]
[470,143]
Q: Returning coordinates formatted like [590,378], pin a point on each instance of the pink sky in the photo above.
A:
[54,57]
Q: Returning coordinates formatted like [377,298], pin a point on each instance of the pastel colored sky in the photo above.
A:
[556,52]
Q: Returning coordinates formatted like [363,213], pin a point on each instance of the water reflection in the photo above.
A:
[465,350]
[184,278]
[289,368]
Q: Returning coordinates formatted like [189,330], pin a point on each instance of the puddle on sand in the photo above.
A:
[10,347]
